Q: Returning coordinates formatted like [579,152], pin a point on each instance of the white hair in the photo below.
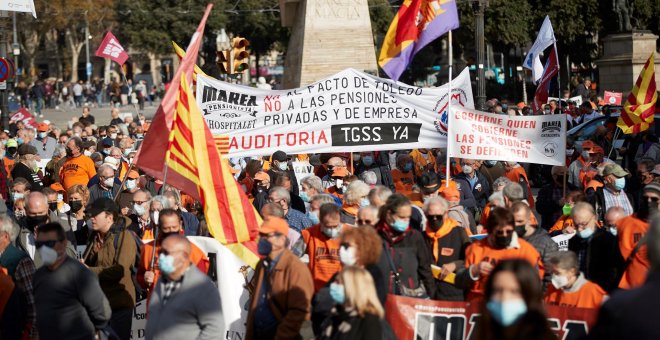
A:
[7,225]
[369,177]
[436,200]
[164,202]
[355,191]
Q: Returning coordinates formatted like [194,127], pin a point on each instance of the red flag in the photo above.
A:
[111,48]
[551,69]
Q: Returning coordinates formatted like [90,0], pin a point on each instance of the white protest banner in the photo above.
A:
[577,100]
[302,170]
[562,241]
[349,112]
[234,297]
[139,323]
[18,6]
[528,139]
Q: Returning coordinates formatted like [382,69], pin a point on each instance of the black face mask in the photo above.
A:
[646,209]
[11,151]
[435,224]
[165,235]
[520,230]
[75,206]
[34,221]
[52,206]
[502,242]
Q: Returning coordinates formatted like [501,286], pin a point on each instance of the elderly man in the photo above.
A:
[149,271]
[36,214]
[536,236]
[612,194]
[369,163]
[295,218]
[126,196]
[629,313]
[24,168]
[106,187]
[281,288]
[190,221]
[331,164]
[185,303]
[612,217]
[447,241]
[64,288]
[367,216]
[598,252]
[44,144]
[141,222]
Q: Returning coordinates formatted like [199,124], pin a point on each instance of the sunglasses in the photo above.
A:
[49,243]
[652,199]
[364,221]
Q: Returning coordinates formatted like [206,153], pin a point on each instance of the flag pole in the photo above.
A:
[123,76]
[558,74]
[451,62]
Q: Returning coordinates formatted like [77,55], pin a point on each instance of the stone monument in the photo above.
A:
[327,36]
[625,53]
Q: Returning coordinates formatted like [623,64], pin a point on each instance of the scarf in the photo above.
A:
[351,209]
[445,229]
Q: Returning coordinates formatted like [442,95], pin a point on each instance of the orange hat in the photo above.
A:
[521,105]
[597,150]
[261,176]
[450,194]
[43,127]
[339,171]
[133,174]
[274,225]
[57,187]
[587,144]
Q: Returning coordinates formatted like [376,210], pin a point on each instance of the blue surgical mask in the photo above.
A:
[407,167]
[17,195]
[620,183]
[304,196]
[337,293]
[400,225]
[130,184]
[313,217]
[586,233]
[43,135]
[139,136]
[364,202]
[613,230]
[368,160]
[507,312]
[264,248]
[19,141]
[166,264]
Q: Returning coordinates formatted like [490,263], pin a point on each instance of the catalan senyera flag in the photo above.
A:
[640,105]
[417,23]
[181,53]
[192,162]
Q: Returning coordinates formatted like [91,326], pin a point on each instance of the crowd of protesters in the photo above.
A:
[333,246]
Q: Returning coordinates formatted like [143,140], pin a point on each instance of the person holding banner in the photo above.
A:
[512,308]
[406,260]
[280,165]
[502,243]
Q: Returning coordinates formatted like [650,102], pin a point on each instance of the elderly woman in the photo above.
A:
[78,196]
[498,186]
[311,186]
[355,197]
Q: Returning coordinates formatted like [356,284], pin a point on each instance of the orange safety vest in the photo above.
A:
[630,230]
[403,183]
[590,295]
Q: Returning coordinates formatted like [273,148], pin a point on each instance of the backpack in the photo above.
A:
[139,291]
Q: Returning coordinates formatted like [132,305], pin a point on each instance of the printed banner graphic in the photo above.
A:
[348,112]
[23,115]
[419,319]
[528,139]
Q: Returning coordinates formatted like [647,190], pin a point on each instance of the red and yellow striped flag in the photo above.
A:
[640,105]
[181,53]
[192,161]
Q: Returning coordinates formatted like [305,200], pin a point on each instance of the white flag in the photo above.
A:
[545,38]
[18,6]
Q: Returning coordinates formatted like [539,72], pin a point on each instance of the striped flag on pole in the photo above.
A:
[640,105]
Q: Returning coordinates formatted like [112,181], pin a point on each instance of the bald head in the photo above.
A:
[37,204]
[613,215]
[177,243]
[335,161]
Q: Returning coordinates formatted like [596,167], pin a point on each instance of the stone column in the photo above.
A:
[327,36]
[624,55]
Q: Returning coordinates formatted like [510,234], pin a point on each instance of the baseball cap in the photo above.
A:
[429,183]
[614,169]
[57,187]
[274,225]
[279,155]
[100,205]
[42,127]
[261,176]
[450,194]
[108,141]
[112,162]
[339,171]
[133,174]
[12,143]
[26,149]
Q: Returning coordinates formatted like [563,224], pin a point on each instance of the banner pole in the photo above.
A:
[451,63]
[616,135]
[352,170]
[558,74]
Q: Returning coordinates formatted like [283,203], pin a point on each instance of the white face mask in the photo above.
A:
[139,209]
[339,183]
[130,184]
[113,135]
[109,182]
[155,216]
[559,281]
[347,256]
[48,255]
[87,153]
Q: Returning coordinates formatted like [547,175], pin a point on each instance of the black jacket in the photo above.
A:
[21,170]
[292,175]
[367,327]
[597,199]
[548,206]
[411,258]
[451,248]
[602,263]
[630,314]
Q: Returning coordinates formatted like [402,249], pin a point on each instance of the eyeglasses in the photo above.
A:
[651,198]
[49,243]
[364,221]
